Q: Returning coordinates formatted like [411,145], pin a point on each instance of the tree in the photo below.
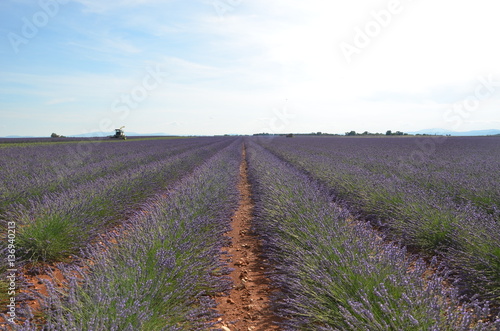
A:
[388,133]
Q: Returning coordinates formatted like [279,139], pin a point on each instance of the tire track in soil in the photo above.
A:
[248,305]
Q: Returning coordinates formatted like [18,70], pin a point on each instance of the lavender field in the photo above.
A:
[357,233]
[445,203]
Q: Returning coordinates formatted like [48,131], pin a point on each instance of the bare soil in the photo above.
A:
[30,277]
[248,305]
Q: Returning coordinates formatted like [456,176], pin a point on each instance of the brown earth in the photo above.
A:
[31,276]
[248,306]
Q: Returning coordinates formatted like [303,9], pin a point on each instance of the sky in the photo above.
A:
[205,67]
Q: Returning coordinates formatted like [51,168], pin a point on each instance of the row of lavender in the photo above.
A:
[165,267]
[19,141]
[445,202]
[59,214]
[336,274]
[30,169]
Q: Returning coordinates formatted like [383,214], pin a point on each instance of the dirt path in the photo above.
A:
[247,306]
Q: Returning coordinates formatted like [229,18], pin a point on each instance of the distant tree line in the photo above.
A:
[350,133]
[366,133]
[296,134]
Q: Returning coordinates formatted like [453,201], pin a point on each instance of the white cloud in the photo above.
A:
[237,68]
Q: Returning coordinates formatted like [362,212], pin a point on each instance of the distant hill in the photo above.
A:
[458,133]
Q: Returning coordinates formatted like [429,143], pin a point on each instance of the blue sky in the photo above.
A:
[242,66]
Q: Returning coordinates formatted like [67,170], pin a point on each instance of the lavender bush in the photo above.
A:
[34,169]
[446,203]
[166,264]
[336,274]
[57,224]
